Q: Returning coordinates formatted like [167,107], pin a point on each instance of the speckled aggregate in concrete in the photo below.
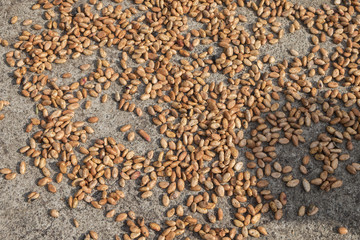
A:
[22,220]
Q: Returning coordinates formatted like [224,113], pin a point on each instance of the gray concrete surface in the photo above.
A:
[22,220]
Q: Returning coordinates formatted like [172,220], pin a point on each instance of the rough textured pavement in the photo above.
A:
[22,220]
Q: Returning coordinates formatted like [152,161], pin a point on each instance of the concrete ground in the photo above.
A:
[22,220]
